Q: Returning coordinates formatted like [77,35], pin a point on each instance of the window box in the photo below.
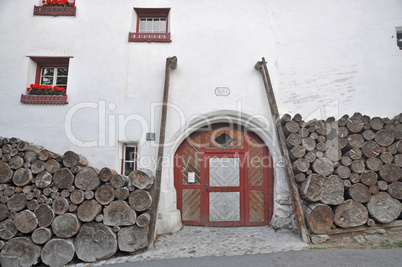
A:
[149,37]
[44,99]
[152,25]
[54,11]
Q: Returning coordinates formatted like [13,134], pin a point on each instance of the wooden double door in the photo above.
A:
[224,177]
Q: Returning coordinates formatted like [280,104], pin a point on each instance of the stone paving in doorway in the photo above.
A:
[195,241]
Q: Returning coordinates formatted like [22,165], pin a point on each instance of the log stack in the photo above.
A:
[348,170]
[55,207]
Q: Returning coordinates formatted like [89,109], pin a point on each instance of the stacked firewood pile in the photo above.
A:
[55,207]
[348,170]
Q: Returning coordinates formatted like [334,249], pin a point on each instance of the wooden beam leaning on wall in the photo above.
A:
[294,193]
[171,63]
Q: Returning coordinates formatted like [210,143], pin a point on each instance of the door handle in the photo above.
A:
[206,187]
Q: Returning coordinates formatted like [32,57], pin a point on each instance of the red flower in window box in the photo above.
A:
[58,3]
[38,89]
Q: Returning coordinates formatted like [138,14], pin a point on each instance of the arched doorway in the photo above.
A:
[224,177]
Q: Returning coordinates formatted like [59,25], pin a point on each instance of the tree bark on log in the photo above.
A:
[118,213]
[350,214]
[359,193]
[297,152]
[66,225]
[333,191]
[319,217]
[368,135]
[384,208]
[333,154]
[60,205]
[20,251]
[41,235]
[88,210]
[63,178]
[52,166]
[323,166]
[376,123]
[293,139]
[26,221]
[7,229]
[343,172]
[312,188]
[354,125]
[30,156]
[384,138]
[58,252]
[122,193]
[301,165]
[391,173]
[105,194]
[17,202]
[140,200]
[141,179]
[71,159]
[87,179]
[374,164]
[3,212]
[95,242]
[37,166]
[133,238]
[43,179]
[118,181]
[106,174]
[16,162]
[77,196]
[371,149]
[22,177]
[357,166]
[5,173]
[395,190]
[143,219]
[369,178]
[45,215]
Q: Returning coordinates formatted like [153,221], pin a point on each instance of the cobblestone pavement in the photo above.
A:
[194,241]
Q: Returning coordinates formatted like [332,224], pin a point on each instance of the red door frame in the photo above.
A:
[204,198]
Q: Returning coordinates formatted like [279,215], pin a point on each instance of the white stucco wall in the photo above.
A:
[325,59]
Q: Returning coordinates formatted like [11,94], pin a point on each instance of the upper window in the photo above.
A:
[152,25]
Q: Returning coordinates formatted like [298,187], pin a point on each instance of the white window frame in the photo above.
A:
[55,75]
[125,160]
[154,19]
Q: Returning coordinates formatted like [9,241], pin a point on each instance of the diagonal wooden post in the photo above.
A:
[294,193]
[171,63]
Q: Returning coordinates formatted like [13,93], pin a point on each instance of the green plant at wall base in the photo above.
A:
[37,89]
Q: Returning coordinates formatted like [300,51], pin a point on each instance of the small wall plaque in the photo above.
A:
[222,91]
[150,136]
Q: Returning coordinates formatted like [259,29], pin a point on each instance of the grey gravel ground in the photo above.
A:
[310,258]
[193,241]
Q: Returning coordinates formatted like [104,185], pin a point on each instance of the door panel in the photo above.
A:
[224,172]
[224,206]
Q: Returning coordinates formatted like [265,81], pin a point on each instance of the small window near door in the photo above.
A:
[129,160]
[399,37]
